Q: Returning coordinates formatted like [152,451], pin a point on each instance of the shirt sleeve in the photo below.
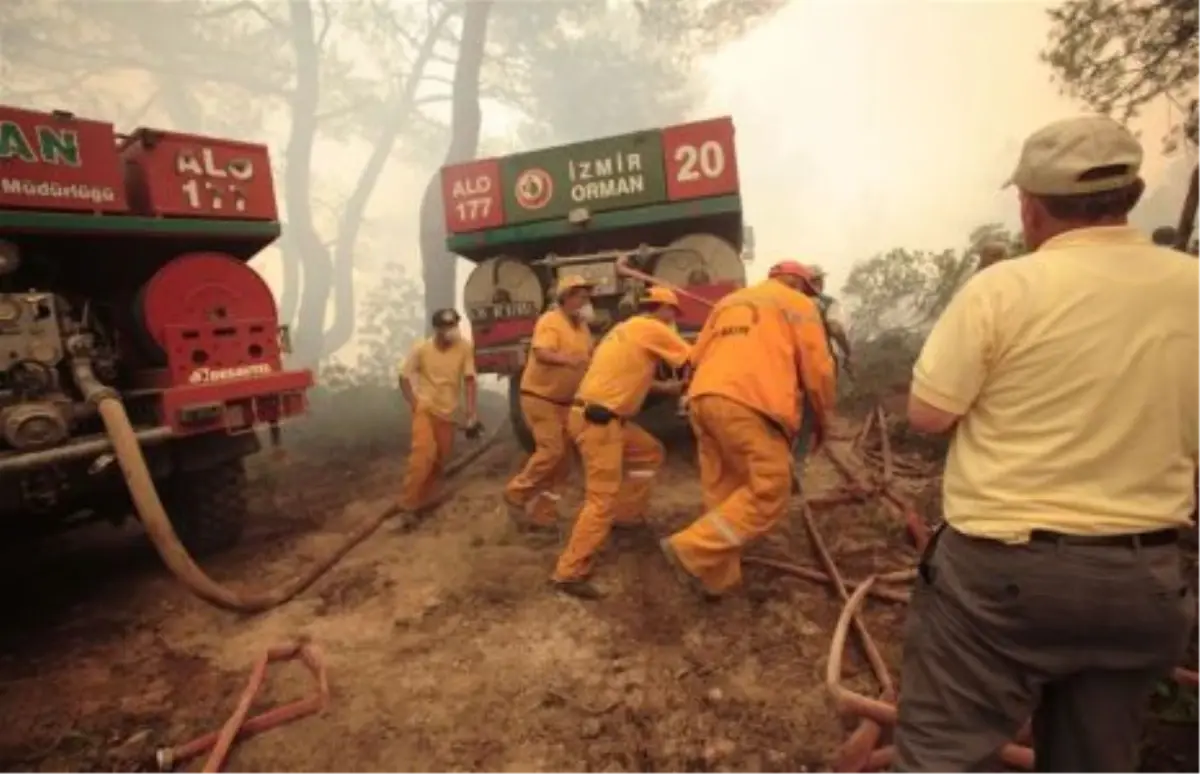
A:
[412,364]
[954,362]
[814,362]
[545,335]
[662,342]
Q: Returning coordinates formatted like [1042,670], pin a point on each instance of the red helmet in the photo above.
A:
[791,269]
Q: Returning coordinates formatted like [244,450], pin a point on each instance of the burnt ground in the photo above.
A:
[446,650]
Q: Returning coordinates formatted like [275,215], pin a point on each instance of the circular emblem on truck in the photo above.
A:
[534,189]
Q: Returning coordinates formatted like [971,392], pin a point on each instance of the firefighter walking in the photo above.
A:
[559,354]
[620,459]
[437,371]
[759,347]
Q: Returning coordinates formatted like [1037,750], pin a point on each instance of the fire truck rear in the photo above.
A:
[124,277]
[660,204]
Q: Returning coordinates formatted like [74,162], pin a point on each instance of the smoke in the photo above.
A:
[860,127]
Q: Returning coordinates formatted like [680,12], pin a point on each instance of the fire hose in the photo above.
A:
[623,267]
[150,511]
[239,726]
[861,750]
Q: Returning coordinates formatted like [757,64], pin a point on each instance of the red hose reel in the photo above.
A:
[209,310]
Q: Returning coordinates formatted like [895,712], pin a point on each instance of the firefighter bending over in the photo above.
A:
[432,379]
[561,347]
[760,348]
[620,459]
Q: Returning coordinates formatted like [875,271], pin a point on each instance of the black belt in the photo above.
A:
[1160,537]
[543,397]
[583,404]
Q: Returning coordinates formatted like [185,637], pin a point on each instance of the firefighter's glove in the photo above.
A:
[474,430]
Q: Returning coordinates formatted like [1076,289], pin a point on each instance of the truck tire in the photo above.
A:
[208,507]
[517,417]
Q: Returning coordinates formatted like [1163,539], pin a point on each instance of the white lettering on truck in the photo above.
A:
[97,194]
[206,375]
[617,175]
[219,181]
[472,198]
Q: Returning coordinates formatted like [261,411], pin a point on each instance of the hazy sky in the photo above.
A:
[863,126]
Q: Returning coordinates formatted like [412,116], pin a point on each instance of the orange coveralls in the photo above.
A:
[436,375]
[759,346]
[620,452]
[546,394]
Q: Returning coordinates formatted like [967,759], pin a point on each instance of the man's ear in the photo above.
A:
[1033,214]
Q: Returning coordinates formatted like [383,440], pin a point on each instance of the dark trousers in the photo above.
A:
[1074,635]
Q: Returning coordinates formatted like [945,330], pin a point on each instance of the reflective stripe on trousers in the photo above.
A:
[609,493]
[746,478]
[724,527]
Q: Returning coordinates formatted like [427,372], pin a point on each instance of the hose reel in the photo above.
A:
[502,281]
[700,259]
[197,289]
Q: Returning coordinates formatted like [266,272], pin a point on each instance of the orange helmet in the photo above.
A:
[660,295]
[791,269]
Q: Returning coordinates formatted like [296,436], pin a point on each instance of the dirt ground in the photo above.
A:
[445,648]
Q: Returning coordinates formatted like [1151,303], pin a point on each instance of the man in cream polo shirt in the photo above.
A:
[1068,378]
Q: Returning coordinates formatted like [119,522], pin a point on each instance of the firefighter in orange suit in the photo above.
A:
[438,370]
[762,349]
[620,459]
[559,354]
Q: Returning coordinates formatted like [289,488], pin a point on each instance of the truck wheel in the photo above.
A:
[207,507]
[517,417]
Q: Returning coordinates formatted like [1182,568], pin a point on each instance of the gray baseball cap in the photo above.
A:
[1055,159]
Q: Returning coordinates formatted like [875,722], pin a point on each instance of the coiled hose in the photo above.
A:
[158,527]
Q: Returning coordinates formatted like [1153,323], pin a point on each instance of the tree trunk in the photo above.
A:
[438,266]
[399,111]
[1187,218]
[289,297]
[310,251]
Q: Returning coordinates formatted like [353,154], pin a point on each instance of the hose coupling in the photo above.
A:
[93,390]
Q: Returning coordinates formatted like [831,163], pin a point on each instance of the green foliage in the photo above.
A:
[1120,55]
[893,299]
[392,317]
[321,72]
[629,66]
[369,74]
[907,289]
[882,365]
[630,83]
[702,26]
